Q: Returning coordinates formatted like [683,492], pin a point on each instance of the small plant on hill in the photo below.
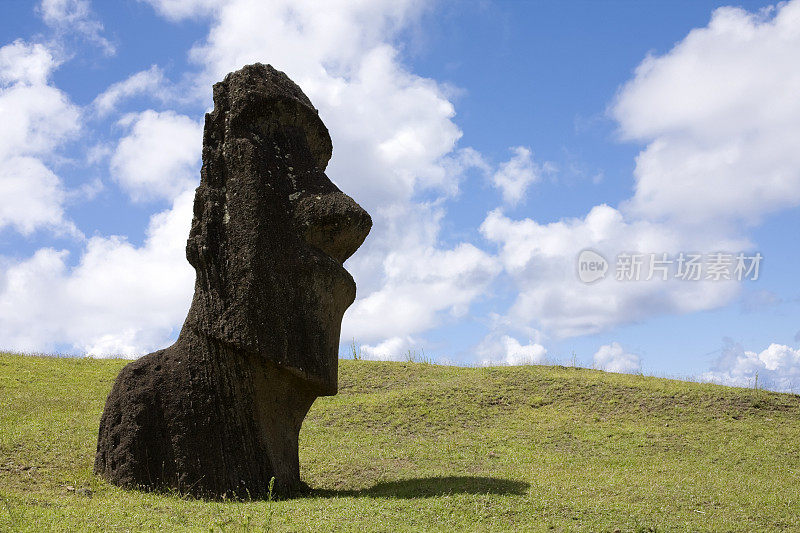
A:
[355,350]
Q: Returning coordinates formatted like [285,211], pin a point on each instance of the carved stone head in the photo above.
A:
[270,230]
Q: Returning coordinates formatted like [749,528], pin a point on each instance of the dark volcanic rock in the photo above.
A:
[218,413]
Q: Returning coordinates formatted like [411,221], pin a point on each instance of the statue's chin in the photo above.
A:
[319,377]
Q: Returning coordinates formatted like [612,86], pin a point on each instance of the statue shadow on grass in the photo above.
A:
[430,487]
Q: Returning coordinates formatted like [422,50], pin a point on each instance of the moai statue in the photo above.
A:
[218,413]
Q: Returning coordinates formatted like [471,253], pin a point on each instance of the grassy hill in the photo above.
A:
[412,446]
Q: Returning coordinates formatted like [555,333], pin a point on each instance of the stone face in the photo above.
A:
[219,412]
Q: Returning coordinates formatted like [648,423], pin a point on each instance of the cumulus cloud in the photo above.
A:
[777,368]
[515,175]
[612,358]
[722,144]
[176,10]
[118,300]
[45,303]
[36,115]
[150,82]
[419,284]
[30,64]
[506,350]
[37,118]
[542,258]
[75,17]
[391,349]
[720,116]
[32,197]
[160,156]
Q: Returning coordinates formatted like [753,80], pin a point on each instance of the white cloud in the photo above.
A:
[515,175]
[118,300]
[74,16]
[776,368]
[723,143]
[418,285]
[612,358]
[30,64]
[391,349]
[720,113]
[176,10]
[506,350]
[33,197]
[541,259]
[306,38]
[392,130]
[160,157]
[150,82]
[37,118]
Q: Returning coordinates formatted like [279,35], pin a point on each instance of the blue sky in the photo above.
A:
[491,141]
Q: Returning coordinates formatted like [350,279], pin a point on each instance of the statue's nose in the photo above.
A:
[333,222]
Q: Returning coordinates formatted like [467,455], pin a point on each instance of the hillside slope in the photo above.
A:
[409,446]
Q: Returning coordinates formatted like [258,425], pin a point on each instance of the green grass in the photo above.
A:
[419,447]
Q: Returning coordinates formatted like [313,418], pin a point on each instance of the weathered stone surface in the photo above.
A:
[219,412]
